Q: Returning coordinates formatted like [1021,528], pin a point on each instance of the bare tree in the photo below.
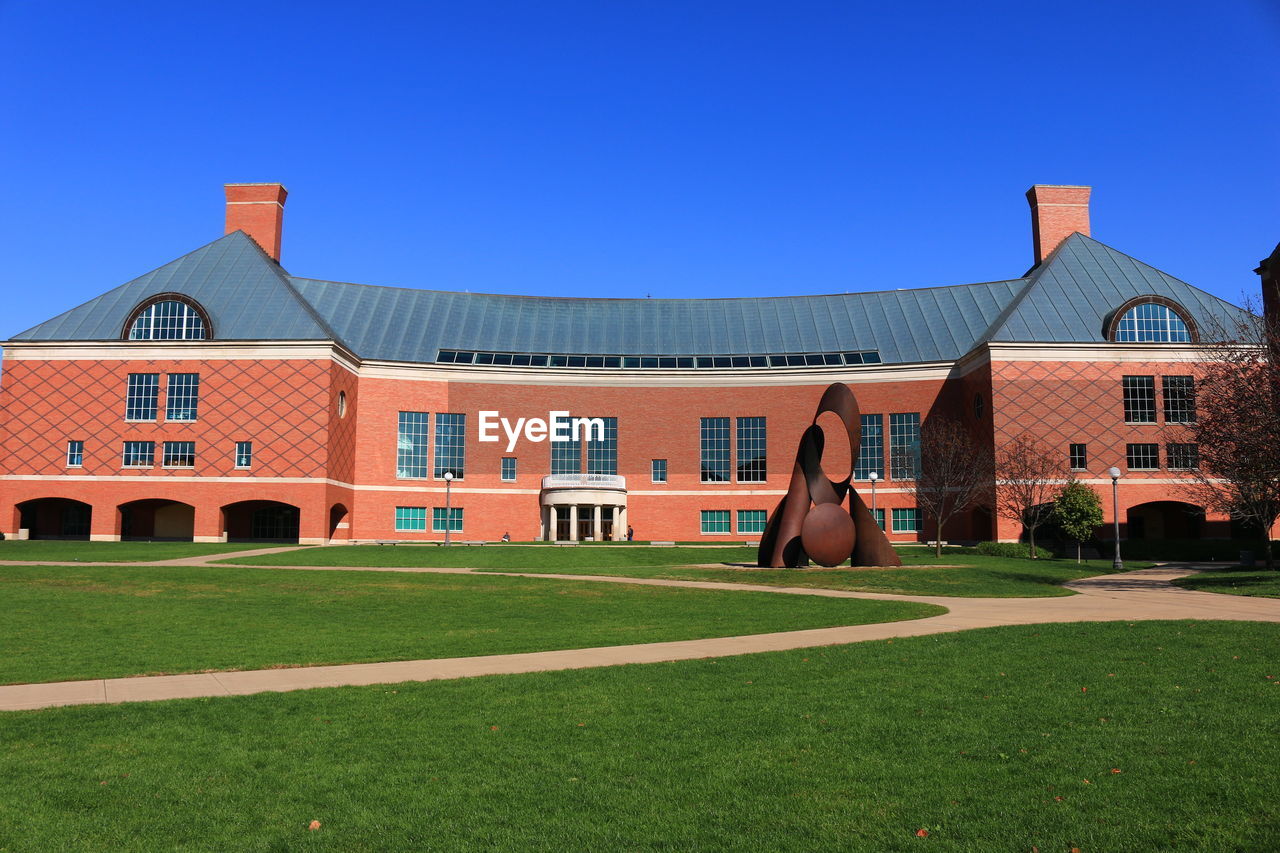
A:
[1236,430]
[1028,478]
[954,473]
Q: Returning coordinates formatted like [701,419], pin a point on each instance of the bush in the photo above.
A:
[1185,549]
[1004,549]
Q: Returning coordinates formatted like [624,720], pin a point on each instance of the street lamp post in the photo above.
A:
[448,512]
[1114,473]
[873,476]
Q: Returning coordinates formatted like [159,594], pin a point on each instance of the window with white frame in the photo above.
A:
[1151,322]
[179,454]
[1179,399]
[168,320]
[183,397]
[450,517]
[411,445]
[658,471]
[139,454]
[906,520]
[602,452]
[753,450]
[715,520]
[75,454]
[904,445]
[142,396]
[451,445]
[1142,457]
[244,454]
[1139,394]
[508,469]
[410,518]
[752,520]
[1182,457]
[1078,457]
[870,449]
[714,449]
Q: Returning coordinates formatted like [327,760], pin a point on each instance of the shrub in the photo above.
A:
[1003,549]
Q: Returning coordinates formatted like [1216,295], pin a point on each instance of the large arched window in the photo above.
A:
[168,318]
[1152,319]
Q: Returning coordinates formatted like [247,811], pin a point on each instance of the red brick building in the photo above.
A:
[220,397]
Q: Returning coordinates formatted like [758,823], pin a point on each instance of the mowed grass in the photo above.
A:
[1259,582]
[61,551]
[1150,736]
[964,574]
[76,622]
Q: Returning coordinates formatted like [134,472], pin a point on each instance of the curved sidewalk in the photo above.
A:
[1141,595]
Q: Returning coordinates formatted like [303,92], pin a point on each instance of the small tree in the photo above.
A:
[953,473]
[1078,511]
[1028,475]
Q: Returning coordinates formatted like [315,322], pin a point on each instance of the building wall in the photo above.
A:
[337,463]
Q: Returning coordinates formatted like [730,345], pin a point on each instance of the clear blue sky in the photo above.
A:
[690,148]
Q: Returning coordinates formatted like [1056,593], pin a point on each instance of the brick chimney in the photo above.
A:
[257,210]
[1056,213]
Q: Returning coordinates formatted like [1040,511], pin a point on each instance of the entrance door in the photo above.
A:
[562,524]
[584,522]
[606,524]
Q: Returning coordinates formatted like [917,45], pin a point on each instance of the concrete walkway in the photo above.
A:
[1133,596]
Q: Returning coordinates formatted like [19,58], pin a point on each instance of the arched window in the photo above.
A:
[1152,320]
[167,318]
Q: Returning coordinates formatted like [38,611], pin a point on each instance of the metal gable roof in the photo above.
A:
[1072,293]
[245,294]
[399,324]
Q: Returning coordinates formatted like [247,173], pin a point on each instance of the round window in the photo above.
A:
[342,404]
[979,406]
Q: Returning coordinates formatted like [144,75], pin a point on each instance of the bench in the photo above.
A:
[664,544]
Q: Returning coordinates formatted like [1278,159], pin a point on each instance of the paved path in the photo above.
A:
[1133,596]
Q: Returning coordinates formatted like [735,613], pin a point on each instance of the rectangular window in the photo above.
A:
[1142,457]
[411,518]
[1179,399]
[139,454]
[752,520]
[508,469]
[244,454]
[602,454]
[713,448]
[411,445]
[566,456]
[716,520]
[441,516]
[1182,457]
[753,451]
[658,470]
[75,454]
[183,397]
[878,514]
[144,391]
[871,450]
[1139,399]
[179,454]
[904,445]
[451,445]
[906,520]
[1079,457]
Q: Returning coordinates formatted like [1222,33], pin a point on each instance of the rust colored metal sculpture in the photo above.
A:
[811,521]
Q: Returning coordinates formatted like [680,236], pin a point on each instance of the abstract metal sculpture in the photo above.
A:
[811,522]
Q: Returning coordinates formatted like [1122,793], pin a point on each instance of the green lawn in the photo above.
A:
[114,552]
[1259,582]
[965,574]
[988,740]
[502,556]
[74,622]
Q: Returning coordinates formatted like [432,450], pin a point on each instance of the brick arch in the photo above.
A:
[1111,322]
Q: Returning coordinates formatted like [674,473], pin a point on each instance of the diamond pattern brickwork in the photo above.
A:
[1066,402]
[280,405]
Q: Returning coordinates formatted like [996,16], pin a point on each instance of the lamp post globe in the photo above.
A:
[1114,473]
[448,512]
[873,477]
